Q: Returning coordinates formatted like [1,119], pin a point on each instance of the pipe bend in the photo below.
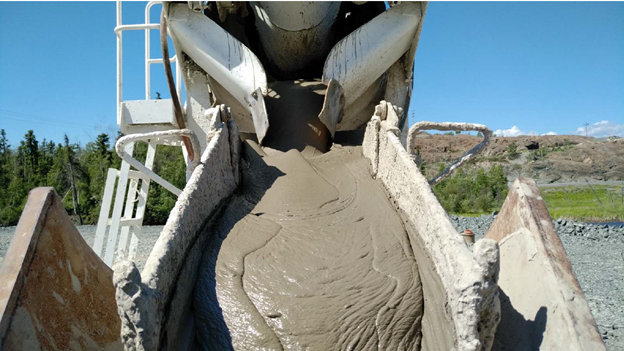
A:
[452,126]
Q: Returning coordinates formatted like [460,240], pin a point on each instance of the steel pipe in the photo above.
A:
[452,126]
[156,136]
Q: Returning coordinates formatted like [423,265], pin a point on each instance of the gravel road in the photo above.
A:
[596,252]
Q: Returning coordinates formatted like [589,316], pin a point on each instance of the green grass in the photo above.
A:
[581,202]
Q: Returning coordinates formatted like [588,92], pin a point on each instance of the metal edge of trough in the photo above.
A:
[469,278]
[55,290]
[143,298]
[21,252]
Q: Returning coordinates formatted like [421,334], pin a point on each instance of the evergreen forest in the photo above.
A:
[78,175]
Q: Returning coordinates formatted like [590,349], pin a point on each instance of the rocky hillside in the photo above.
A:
[548,159]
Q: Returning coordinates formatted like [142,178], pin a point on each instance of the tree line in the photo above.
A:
[78,175]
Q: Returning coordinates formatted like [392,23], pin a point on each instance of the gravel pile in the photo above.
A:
[596,252]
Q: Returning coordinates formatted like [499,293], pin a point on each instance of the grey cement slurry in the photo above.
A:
[310,254]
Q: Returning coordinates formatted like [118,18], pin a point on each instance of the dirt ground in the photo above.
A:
[547,159]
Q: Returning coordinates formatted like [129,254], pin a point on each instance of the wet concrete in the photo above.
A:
[310,254]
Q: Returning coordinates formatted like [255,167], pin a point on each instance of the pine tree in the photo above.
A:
[97,159]
[5,149]
[78,175]
[70,162]
[46,160]
[102,146]
[4,146]
[30,153]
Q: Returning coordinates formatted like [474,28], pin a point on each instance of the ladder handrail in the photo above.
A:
[147,27]
[156,136]
[123,217]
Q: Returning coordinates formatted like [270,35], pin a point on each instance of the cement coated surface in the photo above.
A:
[542,304]
[310,254]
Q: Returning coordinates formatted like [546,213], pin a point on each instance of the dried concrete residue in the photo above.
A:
[144,299]
[308,255]
[469,279]
[75,282]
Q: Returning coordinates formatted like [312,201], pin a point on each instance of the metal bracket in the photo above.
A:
[333,105]
[259,114]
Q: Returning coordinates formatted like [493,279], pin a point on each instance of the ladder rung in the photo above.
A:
[126,222]
[136,175]
[131,222]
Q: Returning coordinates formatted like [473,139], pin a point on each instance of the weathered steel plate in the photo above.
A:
[56,293]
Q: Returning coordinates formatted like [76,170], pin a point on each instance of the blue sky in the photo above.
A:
[519,68]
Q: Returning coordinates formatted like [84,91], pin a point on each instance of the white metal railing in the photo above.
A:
[149,61]
[127,219]
[158,138]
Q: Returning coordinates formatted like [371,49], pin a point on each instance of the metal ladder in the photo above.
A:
[146,120]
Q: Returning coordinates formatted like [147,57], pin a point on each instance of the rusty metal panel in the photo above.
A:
[56,294]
